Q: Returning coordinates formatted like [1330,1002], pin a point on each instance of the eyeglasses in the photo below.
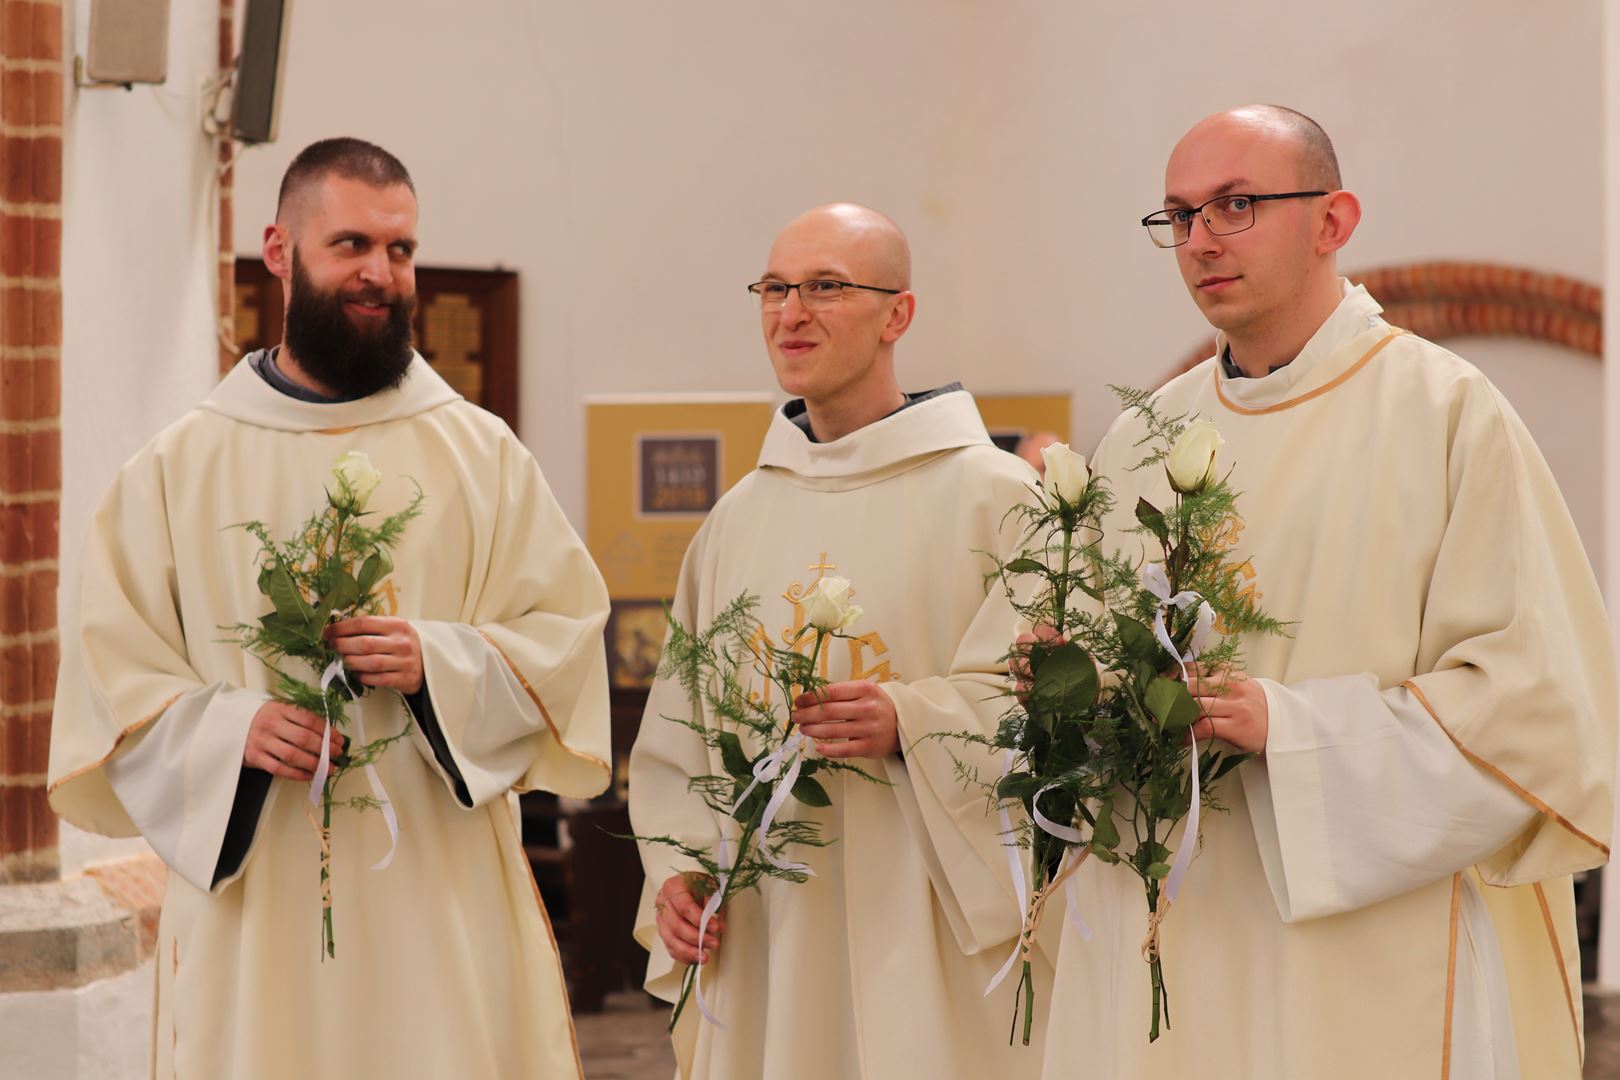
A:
[1223,216]
[815,293]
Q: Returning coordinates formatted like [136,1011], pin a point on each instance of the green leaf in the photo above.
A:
[810,792]
[290,603]
[1027,566]
[342,591]
[1065,680]
[1105,834]
[1017,785]
[1171,704]
[377,565]
[732,757]
[1226,765]
[1159,870]
[1137,640]
[1150,515]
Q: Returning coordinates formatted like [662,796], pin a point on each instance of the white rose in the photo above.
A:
[357,477]
[1066,472]
[1191,464]
[827,606]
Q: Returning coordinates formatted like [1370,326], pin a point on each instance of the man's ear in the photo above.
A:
[900,316]
[278,246]
[1338,223]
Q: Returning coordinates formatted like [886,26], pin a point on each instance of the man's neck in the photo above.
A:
[286,363]
[1263,349]
[831,420]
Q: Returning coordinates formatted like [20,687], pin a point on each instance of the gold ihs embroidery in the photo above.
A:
[793,638]
[1226,539]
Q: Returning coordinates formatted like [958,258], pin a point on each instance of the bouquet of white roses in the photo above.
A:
[1097,749]
[765,760]
[328,571]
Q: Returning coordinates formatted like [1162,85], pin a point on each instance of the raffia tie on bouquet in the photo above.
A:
[325,837]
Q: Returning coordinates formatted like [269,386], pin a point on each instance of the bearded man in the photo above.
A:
[488,650]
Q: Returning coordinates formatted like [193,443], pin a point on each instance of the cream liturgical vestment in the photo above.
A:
[876,966]
[445,961]
[1389,892]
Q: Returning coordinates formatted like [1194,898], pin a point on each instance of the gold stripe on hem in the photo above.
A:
[1451,977]
[1518,789]
[545,920]
[545,714]
[117,742]
[1563,973]
[1245,410]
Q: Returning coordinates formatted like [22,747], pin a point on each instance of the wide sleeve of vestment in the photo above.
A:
[519,688]
[666,755]
[1499,752]
[141,743]
[961,842]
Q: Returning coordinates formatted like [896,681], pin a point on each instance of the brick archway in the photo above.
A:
[1439,300]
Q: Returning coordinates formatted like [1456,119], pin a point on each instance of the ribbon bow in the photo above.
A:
[334,672]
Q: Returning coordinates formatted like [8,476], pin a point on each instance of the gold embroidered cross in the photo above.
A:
[821,566]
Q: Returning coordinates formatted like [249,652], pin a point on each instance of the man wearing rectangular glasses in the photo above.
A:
[875,967]
[1390,894]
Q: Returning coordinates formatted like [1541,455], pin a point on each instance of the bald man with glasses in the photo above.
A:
[875,967]
[1390,893]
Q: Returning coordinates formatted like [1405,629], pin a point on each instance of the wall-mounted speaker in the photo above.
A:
[257,103]
[129,41]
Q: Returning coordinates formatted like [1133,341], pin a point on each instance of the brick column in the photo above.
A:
[31,103]
[228,352]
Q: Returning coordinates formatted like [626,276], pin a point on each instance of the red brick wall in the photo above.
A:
[227,245]
[1439,300]
[31,85]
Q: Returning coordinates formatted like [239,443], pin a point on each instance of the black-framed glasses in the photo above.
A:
[1223,216]
[813,293]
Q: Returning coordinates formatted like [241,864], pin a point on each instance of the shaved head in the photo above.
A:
[870,242]
[1315,158]
[352,159]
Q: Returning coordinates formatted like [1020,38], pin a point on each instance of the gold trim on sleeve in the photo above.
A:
[545,714]
[1303,398]
[1518,789]
[1563,972]
[117,742]
[1451,976]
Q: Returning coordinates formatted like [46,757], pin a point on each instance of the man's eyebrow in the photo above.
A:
[1225,189]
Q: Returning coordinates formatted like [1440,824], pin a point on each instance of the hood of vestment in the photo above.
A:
[244,395]
[901,441]
[1338,346]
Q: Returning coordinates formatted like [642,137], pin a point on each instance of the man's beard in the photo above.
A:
[351,361]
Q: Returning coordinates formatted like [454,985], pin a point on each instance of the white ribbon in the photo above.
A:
[1017,867]
[1189,836]
[1069,835]
[1155,581]
[766,770]
[334,672]
[709,908]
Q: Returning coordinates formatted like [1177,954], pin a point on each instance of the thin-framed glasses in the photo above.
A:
[1223,216]
[814,293]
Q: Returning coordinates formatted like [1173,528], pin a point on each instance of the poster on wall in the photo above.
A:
[1011,417]
[655,466]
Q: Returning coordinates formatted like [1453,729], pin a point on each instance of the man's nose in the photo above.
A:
[375,269]
[1210,244]
[794,313]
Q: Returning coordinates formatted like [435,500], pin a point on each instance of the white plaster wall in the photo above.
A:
[138,277]
[633,160]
